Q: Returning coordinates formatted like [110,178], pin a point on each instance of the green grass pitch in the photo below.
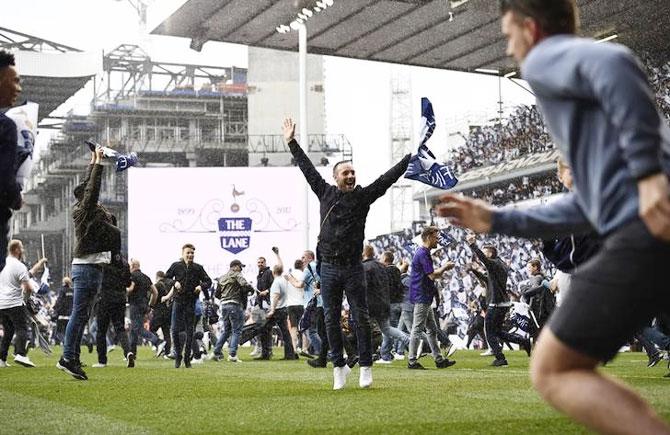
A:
[290,397]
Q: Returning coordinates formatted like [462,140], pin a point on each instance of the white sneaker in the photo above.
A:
[398,357]
[383,361]
[3,364]
[254,353]
[23,360]
[340,377]
[365,379]
[160,349]
[451,350]
[99,366]
[487,352]
[197,360]
[234,359]
[111,348]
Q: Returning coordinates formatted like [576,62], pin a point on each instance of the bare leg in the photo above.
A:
[568,380]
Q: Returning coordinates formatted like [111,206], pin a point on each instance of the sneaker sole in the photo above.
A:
[74,375]
[30,366]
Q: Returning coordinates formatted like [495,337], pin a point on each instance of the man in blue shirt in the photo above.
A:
[422,291]
[600,112]
[317,330]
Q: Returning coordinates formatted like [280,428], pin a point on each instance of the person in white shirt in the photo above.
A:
[278,314]
[14,282]
[295,301]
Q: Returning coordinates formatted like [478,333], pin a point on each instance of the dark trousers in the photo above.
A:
[183,320]
[114,314]
[137,331]
[336,281]
[494,332]
[279,318]
[476,328]
[15,322]
[162,321]
[5,216]
[320,323]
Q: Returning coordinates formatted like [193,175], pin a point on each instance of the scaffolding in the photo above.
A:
[401,143]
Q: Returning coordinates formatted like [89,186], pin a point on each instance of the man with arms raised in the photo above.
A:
[344,210]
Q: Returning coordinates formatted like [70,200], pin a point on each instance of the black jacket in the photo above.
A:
[63,305]
[163,287]
[377,284]
[10,191]
[115,280]
[93,226]
[264,281]
[142,291]
[189,277]
[396,288]
[342,232]
[496,269]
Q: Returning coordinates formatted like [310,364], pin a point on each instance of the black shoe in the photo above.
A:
[187,363]
[306,354]
[177,362]
[415,365]
[317,363]
[90,347]
[131,360]
[352,361]
[526,346]
[444,363]
[499,362]
[263,357]
[291,357]
[72,368]
[654,359]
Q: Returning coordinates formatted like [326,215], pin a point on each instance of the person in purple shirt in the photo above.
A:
[422,291]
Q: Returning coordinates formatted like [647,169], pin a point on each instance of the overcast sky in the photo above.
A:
[358,94]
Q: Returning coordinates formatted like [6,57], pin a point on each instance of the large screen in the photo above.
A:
[227,213]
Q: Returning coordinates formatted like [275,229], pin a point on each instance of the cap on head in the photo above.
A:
[236,263]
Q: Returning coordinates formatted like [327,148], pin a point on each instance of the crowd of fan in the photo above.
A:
[518,189]
[659,78]
[459,287]
[522,133]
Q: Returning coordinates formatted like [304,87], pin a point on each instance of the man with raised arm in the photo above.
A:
[344,209]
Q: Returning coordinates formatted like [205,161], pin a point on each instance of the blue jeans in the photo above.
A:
[388,342]
[335,282]
[86,279]
[314,338]
[232,316]
[657,337]
[390,334]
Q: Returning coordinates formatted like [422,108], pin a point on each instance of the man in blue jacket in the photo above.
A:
[10,191]
[600,112]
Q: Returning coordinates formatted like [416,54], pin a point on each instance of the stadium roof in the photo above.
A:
[50,72]
[412,32]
